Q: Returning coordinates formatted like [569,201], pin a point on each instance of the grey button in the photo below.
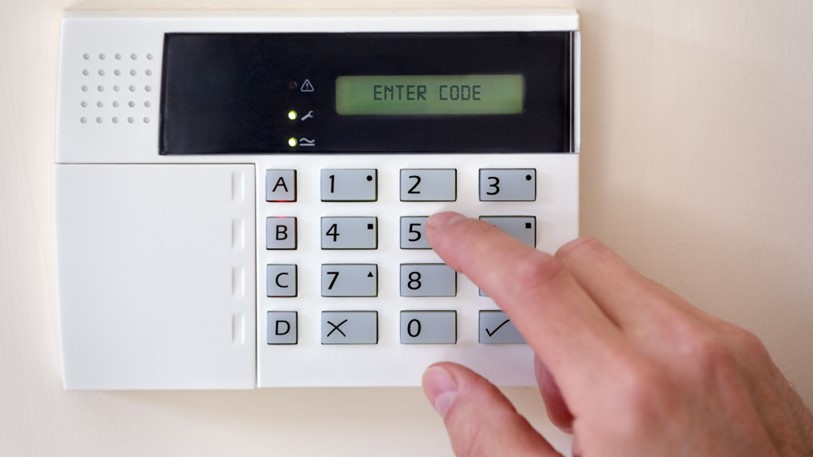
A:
[349,185]
[280,233]
[280,280]
[413,234]
[349,327]
[508,184]
[496,328]
[280,327]
[429,185]
[428,280]
[280,185]
[349,233]
[522,228]
[349,280]
[428,327]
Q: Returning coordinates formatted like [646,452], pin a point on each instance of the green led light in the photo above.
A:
[292,115]
[292,142]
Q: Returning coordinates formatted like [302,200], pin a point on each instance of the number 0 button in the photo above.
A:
[428,327]
[508,184]
[349,185]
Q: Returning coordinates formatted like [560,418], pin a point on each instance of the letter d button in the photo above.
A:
[281,327]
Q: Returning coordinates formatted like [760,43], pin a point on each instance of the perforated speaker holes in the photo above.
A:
[117,88]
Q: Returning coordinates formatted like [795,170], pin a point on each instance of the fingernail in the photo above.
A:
[445,218]
[441,389]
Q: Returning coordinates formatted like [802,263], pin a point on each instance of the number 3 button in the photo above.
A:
[508,184]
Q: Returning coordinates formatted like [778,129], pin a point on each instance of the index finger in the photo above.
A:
[556,316]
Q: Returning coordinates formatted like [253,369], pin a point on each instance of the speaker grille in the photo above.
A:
[119,88]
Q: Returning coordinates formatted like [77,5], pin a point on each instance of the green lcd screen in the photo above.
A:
[433,95]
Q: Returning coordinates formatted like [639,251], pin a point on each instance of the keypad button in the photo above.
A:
[522,228]
[508,184]
[280,327]
[349,185]
[349,327]
[280,185]
[497,328]
[428,280]
[349,233]
[428,185]
[280,280]
[413,232]
[280,233]
[428,327]
[349,280]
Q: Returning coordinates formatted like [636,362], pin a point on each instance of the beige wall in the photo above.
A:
[697,166]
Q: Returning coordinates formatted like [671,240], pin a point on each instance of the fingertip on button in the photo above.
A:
[445,219]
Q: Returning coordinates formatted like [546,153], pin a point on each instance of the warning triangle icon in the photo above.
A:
[306,86]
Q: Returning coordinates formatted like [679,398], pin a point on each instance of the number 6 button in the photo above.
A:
[508,184]
[428,280]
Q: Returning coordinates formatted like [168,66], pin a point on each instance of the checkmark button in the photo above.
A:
[496,328]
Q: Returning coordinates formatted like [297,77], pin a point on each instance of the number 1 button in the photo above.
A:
[349,185]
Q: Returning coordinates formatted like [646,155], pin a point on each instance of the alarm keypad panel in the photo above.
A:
[319,147]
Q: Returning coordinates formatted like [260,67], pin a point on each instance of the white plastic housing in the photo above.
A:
[161,259]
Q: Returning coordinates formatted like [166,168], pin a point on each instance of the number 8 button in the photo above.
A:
[428,280]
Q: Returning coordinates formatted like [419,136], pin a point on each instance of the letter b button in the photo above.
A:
[280,233]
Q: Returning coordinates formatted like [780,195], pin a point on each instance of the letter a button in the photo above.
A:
[280,185]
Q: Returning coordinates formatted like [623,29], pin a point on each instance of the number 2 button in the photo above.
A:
[429,185]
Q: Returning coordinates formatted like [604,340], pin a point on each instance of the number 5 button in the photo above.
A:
[508,184]
[413,234]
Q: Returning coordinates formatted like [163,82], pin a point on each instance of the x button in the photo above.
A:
[349,327]
[336,328]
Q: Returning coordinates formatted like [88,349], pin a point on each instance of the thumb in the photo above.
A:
[479,419]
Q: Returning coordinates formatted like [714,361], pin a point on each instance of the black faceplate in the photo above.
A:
[230,93]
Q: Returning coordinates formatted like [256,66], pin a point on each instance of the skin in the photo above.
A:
[625,365]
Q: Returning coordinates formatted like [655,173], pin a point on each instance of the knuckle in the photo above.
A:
[709,356]
[749,350]
[535,270]
[580,245]
[647,395]
[747,343]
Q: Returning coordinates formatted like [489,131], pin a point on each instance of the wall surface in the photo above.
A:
[697,167]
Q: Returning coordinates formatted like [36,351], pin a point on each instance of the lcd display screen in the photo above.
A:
[431,95]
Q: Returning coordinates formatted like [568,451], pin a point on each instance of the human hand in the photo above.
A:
[623,363]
